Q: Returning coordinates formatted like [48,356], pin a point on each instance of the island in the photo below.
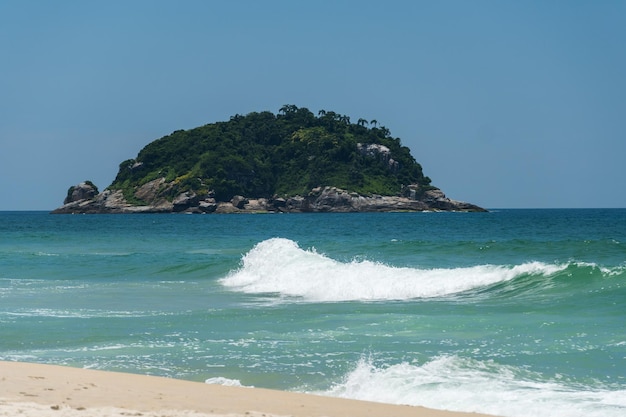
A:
[289,162]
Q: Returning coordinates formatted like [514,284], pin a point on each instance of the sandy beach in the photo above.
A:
[28,389]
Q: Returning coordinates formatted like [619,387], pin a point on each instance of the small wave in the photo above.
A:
[280,266]
[610,272]
[46,254]
[76,254]
[82,313]
[110,254]
[219,380]
[457,384]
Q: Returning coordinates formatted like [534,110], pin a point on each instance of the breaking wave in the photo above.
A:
[279,266]
[459,384]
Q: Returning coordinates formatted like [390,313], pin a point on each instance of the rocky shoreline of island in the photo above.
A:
[84,198]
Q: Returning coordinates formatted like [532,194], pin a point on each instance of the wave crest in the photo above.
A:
[280,266]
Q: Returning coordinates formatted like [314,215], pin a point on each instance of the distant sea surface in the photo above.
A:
[512,312]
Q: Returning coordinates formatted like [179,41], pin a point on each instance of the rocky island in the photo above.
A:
[293,161]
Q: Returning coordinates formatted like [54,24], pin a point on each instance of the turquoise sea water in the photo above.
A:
[512,312]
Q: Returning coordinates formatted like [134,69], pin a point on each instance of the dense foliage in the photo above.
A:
[262,155]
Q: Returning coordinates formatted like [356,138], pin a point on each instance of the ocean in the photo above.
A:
[514,313]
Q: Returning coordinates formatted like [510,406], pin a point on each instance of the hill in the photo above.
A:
[290,161]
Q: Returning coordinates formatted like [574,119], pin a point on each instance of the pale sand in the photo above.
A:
[30,390]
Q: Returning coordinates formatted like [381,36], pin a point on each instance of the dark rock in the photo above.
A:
[82,191]
[279,202]
[239,202]
[185,201]
[208,205]
[437,200]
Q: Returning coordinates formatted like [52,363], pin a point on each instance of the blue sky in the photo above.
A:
[506,104]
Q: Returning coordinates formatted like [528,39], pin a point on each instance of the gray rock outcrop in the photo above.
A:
[83,198]
[83,191]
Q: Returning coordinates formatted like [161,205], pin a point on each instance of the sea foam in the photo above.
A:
[461,384]
[220,380]
[280,266]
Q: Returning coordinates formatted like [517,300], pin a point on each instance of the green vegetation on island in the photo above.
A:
[263,155]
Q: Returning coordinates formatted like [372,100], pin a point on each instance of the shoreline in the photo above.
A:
[30,389]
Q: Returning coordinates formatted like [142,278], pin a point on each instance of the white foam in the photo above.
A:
[46,254]
[219,380]
[82,313]
[280,266]
[456,384]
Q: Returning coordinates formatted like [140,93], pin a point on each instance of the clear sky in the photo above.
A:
[506,104]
